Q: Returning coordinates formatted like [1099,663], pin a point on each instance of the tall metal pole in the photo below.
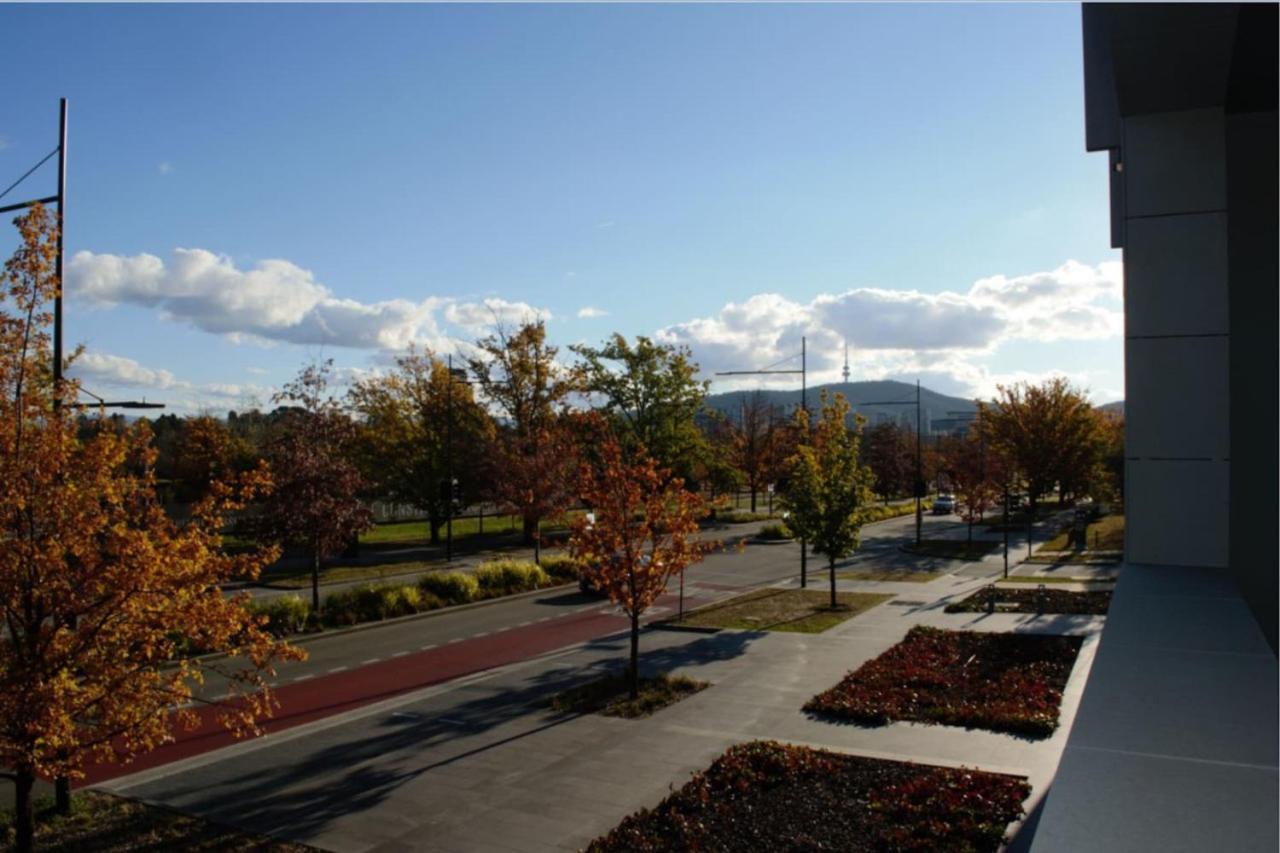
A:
[448,452]
[919,469]
[62,222]
[804,404]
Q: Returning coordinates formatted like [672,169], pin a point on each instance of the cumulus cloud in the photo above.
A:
[274,301]
[99,372]
[587,312]
[895,334]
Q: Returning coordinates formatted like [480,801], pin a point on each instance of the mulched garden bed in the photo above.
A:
[1009,600]
[1002,682]
[611,695]
[766,795]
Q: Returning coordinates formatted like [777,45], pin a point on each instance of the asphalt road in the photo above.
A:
[346,670]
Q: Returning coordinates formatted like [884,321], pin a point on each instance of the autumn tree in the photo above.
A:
[106,602]
[420,424]
[1050,431]
[315,503]
[206,451]
[651,394]
[532,461]
[889,450]
[758,443]
[974,472]
[642,534]
[828,485]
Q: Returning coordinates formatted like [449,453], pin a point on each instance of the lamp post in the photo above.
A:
[804,573]
[451,485]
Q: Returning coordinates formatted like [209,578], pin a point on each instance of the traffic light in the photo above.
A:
[456,492]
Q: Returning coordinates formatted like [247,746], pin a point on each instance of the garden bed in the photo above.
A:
[765,795]
[1023,600]
[107,823]
[1001,682]
[610,695]
[806,611]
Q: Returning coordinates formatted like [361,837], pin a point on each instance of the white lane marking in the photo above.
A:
[399,654]
[545,618]
[302,677]
[454,640]
[452,722]
[427,647]
[480,634]
[523,624]
[338,669]
[369,661]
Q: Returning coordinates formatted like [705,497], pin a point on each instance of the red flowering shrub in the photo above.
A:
[766,795]
[1002,682]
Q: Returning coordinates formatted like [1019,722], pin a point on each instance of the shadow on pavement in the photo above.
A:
[301,800]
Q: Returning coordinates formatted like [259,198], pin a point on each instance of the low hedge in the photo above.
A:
[776,531]
[287,614]
[451,587]
[562,568]
[506,577]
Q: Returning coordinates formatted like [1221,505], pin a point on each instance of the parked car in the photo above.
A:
[944,504]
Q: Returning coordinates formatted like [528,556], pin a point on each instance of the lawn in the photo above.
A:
[1037,579]
[955,549]
[105,823]
[296,577]
[765,795]
[805,611]
[611,695]
[1105,534]
[908,575]
[1001,682]
[1024,600]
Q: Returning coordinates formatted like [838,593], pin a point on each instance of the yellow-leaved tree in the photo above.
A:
[106,602]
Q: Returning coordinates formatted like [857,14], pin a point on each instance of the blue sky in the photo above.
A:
[255,186]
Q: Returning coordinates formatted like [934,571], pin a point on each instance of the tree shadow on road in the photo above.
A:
[301,787]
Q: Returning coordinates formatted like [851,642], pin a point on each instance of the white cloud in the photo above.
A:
[164,167]
[587,312]
[100,372]
[941,337]
[275,301]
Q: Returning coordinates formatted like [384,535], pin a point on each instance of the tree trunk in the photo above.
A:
[62,795]
[435,524]
[753,498]
[831,564]
[23,819]
[315,579]
[530,529]
[971,532]
[634,674]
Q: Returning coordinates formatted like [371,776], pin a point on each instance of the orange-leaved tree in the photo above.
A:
[105,601]
[642,534]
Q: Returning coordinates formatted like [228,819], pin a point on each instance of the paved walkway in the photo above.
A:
[481,764]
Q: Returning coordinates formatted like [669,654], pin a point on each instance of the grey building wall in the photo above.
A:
[1175,744]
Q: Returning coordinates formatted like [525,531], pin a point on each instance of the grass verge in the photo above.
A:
[806,611]
[955,549]
[1105,534]
[908,575]
[105,823]
[610,695]
[1001,682]
[765,795]
[1035,579]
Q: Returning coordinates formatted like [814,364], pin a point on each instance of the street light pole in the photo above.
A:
[448,452]
[57,299]
[804,405]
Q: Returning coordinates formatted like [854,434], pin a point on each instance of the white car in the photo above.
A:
[944,504]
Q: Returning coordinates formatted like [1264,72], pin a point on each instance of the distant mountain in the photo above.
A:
[938,412]
[1116,407]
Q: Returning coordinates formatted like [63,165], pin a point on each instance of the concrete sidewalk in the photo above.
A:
[483,765]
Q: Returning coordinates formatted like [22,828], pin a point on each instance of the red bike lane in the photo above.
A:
[323,696]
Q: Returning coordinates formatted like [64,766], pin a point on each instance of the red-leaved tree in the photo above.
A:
[641,535]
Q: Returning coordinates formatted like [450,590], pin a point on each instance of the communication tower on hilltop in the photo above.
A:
[846,361]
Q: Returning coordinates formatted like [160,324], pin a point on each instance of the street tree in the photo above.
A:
[652,397]
[828,485]
[420,426]
[758,443]
[642,534]
[889,450]
[531,467]
[205,452]
[1050,431]
[106,602]
[973,473]
[315,503]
